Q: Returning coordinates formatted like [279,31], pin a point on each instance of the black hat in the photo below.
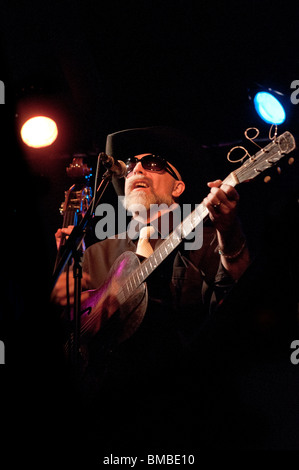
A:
[172,144]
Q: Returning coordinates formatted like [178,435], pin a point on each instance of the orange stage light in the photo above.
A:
[39,131]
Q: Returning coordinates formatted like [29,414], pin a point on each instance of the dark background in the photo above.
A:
[100,67]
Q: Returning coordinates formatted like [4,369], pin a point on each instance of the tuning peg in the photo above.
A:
[291,160]
[267,179]
[278,170]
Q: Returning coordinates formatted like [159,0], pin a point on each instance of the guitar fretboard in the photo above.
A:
[140,274]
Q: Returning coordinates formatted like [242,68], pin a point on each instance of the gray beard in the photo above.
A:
[146,200]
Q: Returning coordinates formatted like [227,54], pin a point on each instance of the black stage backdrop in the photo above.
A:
[102,67]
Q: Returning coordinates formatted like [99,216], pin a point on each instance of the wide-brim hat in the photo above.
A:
[174,145]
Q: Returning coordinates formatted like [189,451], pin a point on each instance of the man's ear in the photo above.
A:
[178,189]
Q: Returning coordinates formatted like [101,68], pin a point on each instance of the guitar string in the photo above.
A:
[91,318]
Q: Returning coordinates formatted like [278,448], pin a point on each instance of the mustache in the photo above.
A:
[133,179]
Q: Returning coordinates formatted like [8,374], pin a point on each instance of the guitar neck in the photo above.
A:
[139,275]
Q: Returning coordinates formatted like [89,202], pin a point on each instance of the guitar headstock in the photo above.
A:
[266,157]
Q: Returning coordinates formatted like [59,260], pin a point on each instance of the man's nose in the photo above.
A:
[138,168]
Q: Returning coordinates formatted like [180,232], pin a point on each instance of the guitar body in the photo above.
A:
[103,303]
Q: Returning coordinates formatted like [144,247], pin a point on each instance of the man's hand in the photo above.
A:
[59,293]
[222,202]
[61,232]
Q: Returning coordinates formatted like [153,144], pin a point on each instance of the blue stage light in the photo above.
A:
[269,108]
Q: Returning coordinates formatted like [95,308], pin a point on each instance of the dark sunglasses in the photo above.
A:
[151,163]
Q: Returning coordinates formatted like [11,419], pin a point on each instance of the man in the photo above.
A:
[162,188]
[137,375]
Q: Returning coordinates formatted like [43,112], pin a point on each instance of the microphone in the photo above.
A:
[117,167]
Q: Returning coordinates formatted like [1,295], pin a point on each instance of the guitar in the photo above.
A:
[125,293]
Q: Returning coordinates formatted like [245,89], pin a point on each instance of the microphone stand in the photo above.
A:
[72,248]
